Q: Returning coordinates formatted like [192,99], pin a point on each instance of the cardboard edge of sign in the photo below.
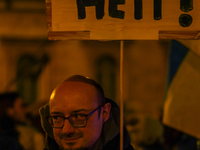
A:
[142,35]
[115,35]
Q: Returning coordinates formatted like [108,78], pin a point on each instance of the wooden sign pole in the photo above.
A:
[121,95]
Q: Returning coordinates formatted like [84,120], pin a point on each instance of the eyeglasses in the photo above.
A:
[76,120]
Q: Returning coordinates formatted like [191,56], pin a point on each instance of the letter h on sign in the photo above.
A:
[99,6]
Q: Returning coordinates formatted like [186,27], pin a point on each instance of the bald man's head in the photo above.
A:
[87,80]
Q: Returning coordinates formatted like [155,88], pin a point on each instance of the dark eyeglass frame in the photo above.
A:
[50,120]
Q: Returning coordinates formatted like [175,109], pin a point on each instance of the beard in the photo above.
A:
[72,145]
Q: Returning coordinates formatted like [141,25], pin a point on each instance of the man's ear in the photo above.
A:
[106,111]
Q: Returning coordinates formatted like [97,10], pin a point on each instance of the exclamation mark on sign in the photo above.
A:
[157,9]
[185,20]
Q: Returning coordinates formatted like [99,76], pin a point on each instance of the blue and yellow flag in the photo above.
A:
[182,103]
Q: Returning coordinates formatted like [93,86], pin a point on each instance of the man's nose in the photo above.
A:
[68,128]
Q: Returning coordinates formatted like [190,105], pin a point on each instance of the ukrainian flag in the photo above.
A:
[182,103]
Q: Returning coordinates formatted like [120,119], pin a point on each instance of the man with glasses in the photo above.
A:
[79,117]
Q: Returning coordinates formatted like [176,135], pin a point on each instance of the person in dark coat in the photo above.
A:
[9,108]
[79,117]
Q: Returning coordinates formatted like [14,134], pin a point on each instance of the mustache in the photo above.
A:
[71,135]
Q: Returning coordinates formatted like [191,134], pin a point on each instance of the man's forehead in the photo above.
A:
[73,96]
[73,87]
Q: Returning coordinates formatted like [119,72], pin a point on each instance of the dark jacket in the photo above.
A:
[8,135]
[109,140]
